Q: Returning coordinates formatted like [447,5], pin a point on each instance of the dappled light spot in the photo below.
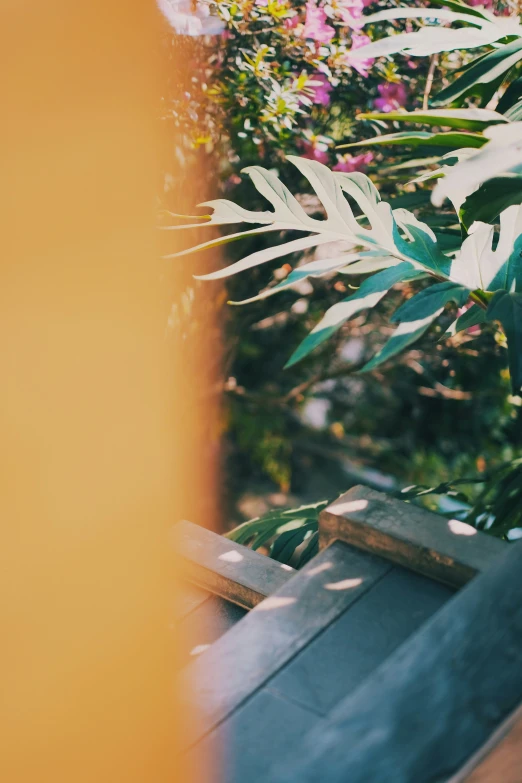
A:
[318,569]
[350,505]
[199,648]
[459,528]
[231,557]
[286,567]
[274,602]
[344,584]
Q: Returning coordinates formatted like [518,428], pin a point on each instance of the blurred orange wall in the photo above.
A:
[91,458]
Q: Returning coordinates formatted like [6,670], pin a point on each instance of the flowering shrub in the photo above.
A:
[277,76]
[479,271]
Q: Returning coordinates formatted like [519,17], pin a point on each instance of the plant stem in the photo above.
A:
[481,298]
[429,80]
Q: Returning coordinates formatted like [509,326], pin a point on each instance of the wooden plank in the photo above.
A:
[243,660]
[204,625]
[225,568]
[435,702]
[246,745]
[447,550]
[354,645]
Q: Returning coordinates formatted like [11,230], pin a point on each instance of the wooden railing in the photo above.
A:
[445,706]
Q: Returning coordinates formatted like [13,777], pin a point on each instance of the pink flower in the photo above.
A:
[485,3]
[350,11]
[261,2]
[314,153]
[291,21]
[315,26]
[315,147]
[392,96]
[321,90]
[361,66]
[350,163]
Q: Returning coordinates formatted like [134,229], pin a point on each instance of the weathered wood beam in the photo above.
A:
[436,701]
[254,650]
[447,550]
[225,568]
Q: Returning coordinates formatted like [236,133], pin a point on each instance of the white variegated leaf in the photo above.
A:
[346,264]
[367,296]
[502,154]
[478,265]
[372,263]
[485,30]
[415,317]
[404,238]
[316,268]
[267,254]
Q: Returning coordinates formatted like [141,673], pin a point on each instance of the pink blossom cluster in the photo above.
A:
[392,95]
[315,26]
[349,163]
[350,12]
[361,66]
[321,88]
[317,148]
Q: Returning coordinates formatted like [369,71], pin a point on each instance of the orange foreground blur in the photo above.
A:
[93,463]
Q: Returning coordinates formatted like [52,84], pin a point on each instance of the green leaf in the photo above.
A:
[287,528]
[484,78]
[462,8]
[285,544]
[410,164]
[415,316]
[256,532]
[368,295]
[466,119]
[310,550]
[507,308]
[508,252]
[421,244]
[509,99]
[430,300]
[514,114]
[474,316]
[452,139]
[490,199]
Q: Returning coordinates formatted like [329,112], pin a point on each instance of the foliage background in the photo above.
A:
[315,429]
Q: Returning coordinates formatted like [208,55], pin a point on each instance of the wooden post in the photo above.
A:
[447,550]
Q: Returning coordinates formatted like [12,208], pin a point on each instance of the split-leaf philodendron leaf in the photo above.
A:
[391,246]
